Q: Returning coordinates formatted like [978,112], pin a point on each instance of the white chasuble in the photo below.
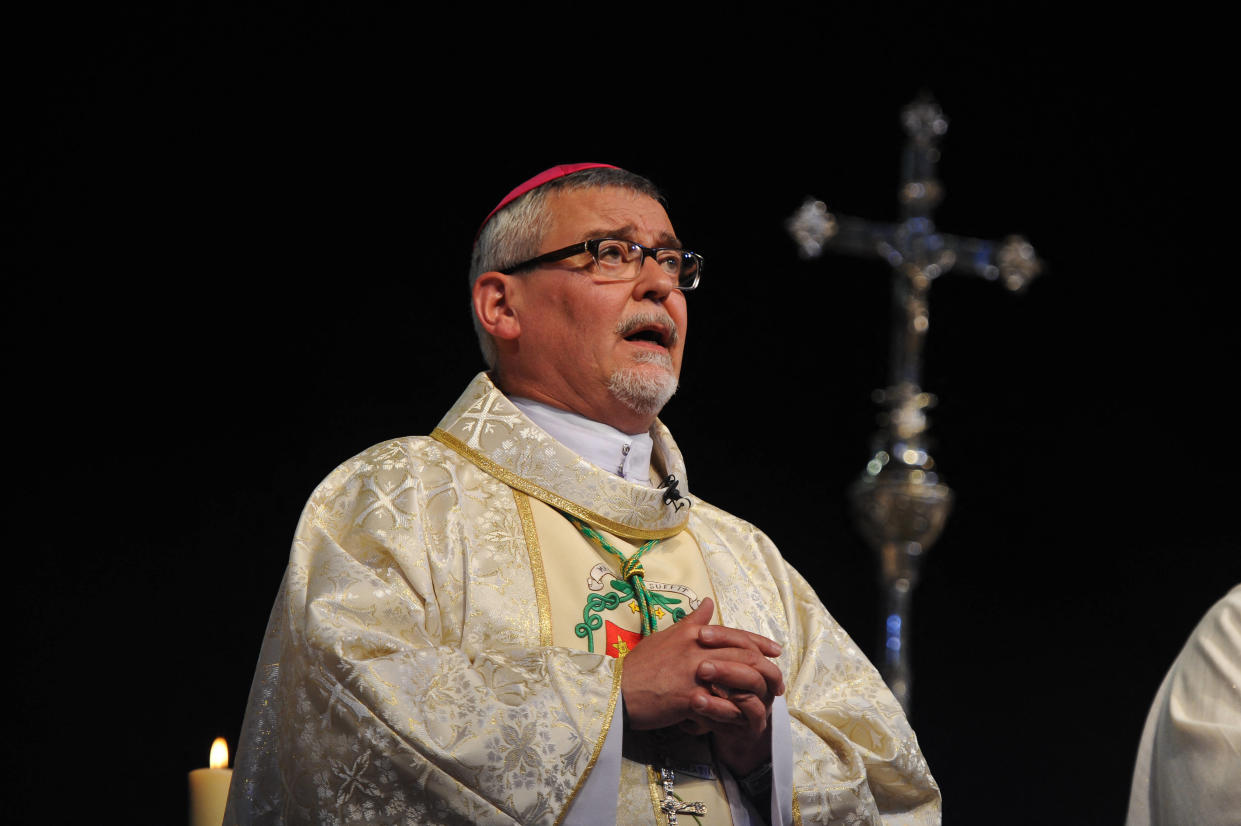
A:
[434,655]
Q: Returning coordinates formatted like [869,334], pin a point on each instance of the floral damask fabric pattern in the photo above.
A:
[484,426]
[401,672]
[854,754]
[404,677]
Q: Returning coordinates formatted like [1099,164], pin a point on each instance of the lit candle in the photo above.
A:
[209,788]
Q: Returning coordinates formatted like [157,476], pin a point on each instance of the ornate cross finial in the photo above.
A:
[900,503]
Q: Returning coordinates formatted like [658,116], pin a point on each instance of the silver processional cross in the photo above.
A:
[899,503]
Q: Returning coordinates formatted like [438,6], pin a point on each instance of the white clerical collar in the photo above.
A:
[629,457]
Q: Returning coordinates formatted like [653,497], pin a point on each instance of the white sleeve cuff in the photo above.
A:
[781,762]
[597,798]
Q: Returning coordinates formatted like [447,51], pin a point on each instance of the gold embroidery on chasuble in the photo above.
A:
[486,429]
[585,587]
[580,592]
[579,576]
[847,730]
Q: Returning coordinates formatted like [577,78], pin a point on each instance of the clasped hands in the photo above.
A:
[706,678]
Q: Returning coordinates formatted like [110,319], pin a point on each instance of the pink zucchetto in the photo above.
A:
[558,171]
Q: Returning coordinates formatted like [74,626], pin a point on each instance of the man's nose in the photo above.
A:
[652,282]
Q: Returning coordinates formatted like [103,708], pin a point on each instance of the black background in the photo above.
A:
[238,239]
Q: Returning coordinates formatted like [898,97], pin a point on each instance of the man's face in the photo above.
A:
[609,350]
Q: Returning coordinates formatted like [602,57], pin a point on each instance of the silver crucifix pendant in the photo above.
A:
[671,806]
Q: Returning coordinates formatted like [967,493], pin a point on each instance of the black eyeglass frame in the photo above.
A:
[592,246]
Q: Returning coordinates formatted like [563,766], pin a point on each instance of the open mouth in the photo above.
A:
[649,328]
[654,335]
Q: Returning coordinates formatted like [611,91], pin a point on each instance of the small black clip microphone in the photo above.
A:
[672,496]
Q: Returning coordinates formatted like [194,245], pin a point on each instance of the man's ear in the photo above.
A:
[493,305]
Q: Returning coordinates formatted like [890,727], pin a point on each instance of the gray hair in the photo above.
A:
[515,233]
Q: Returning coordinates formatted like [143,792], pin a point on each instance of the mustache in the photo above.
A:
[646,319]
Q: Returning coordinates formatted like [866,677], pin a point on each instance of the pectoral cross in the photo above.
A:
[900,504]
[671,805]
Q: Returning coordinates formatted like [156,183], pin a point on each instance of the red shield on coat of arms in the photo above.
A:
[620,641]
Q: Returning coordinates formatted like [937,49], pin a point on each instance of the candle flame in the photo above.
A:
[219,754]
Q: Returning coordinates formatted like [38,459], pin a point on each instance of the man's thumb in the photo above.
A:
[701,615]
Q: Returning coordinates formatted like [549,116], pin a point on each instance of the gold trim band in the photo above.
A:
[603,736]
[536,567]
[558,502]
[656,789]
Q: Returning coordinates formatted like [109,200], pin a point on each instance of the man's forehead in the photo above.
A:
[611,211]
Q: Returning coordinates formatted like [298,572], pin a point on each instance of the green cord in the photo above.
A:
[631,572]
[696,818]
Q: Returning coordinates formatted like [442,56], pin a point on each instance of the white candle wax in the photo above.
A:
[209,788]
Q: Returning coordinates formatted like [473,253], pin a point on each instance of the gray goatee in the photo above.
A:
[641,389]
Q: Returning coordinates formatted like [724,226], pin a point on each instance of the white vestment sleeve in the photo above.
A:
[1189,759]
[738,807]
[781,763]
[742,810]
[596,801]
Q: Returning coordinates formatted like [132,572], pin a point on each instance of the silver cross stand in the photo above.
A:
[899,503]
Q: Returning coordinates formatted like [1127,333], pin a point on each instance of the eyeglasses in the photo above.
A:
[622,260]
